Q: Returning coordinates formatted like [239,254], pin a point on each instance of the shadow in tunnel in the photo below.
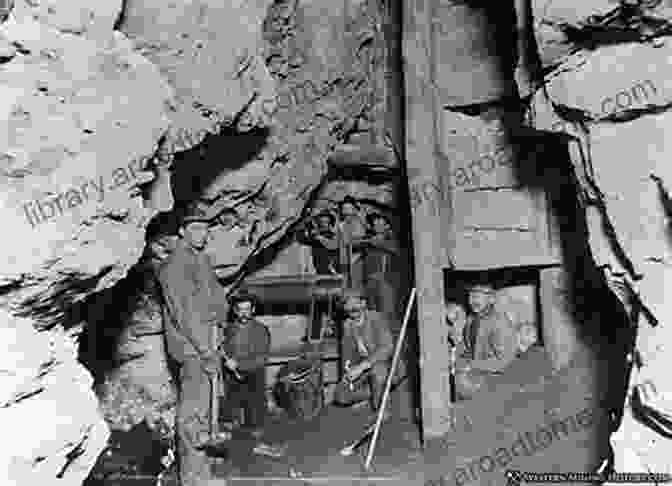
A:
[603,324]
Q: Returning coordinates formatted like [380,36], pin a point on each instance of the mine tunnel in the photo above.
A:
[358,242]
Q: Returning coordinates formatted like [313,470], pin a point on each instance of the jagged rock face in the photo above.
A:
[613,96]
[94,20]
[209,53]
[50,420]
[139,386]
[320,55]
[70,187]
[71,199]
[73,90]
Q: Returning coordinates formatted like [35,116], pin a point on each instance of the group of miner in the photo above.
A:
[361,248]
[195,301]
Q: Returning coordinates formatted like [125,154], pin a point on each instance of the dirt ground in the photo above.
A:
[496,418]
[313,451]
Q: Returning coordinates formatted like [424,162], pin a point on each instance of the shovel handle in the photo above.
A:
[214,391]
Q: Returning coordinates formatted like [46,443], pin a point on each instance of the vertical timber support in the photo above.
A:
[559,326]
[422,171]
[459,59]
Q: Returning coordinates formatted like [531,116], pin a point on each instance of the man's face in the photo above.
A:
[354,308]
[381,226]
[244,310]
[456,317]
[481,299]
[348,209]
[527,336]
[196,234]
[324,223]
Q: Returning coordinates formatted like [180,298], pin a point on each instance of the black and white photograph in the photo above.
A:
[335,242]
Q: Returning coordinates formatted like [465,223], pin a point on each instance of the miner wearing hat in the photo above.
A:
[491,335]
[381,266]
[350,231]
[367,350]
[246,346]
[194,302]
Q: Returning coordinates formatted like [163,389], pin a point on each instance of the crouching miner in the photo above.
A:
[366,352]
[246,346]
[194,301]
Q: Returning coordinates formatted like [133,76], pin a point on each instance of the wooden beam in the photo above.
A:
[422,108]
[367,156]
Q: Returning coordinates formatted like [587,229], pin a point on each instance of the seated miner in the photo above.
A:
[322,239]
[491,334]
[457,321]
[526,337]
[245,348]
[350,230]
[532,362]
[194,302]
[381,266]
[490,339]
[367,349]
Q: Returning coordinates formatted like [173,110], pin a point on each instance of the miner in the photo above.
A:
[367,349]
[194,302]
[532,362]
[458,322]
[381,266]
[246,345]
[351,229]
[491,334]
[324,244]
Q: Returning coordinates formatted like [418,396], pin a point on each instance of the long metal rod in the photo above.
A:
[214,390]
[390,375]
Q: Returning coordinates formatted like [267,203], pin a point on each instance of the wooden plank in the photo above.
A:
[469,67]
[422,145]
[502,228]
[559,328]
[365,156]
[293,288]
[503,209]
[478,151]
[488,249]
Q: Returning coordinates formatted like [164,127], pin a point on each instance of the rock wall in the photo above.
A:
[91,118]
[322,58]
[609,90]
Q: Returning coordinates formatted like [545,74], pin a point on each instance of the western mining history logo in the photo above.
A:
[516,478]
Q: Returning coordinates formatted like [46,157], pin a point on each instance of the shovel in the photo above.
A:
[216,445]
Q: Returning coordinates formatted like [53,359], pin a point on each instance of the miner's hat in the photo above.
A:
[353,293]
[482,284]
[195,214]
[243,296]
[326,214]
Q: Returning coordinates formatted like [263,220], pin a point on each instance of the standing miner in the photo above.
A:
[246,346]
[381,266]
[195,302]
[351,230]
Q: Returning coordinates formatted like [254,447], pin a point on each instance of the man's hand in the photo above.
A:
[230,363]
[210,363]
[356,371]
